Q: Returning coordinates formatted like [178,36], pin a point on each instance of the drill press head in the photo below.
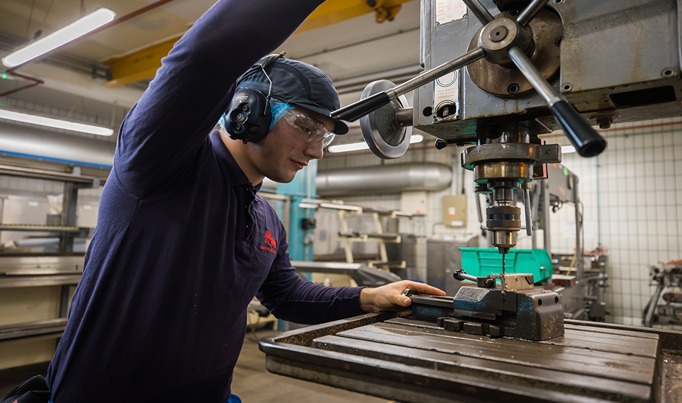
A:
[502,165]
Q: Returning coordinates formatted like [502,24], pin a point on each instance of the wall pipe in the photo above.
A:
[35,143]
[392,178]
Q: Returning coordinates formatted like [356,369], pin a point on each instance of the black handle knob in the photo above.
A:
[359,109]
[587,141]
[441,144]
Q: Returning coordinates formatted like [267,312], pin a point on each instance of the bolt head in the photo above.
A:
[498,34]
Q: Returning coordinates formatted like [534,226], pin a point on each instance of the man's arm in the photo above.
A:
[169,123]
[390,298]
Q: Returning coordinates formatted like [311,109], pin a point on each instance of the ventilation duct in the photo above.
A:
[32,142]
[394,178]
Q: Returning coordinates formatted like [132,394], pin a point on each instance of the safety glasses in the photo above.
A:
[309,127]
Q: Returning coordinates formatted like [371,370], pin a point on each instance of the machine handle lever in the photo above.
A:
[479,11]
[485,282]
[360,108]
[587,141]
[529,12]
[461,276]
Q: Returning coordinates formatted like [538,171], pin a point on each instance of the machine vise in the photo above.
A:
[515,309]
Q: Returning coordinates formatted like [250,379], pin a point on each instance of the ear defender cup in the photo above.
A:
[248,116]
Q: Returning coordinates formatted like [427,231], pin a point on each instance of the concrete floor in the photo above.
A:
[252,383]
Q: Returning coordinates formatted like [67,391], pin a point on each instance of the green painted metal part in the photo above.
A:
[484,261]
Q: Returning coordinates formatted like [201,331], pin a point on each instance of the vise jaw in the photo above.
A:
[516,309]
[533,314]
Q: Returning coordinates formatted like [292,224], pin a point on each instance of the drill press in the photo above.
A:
[507,155]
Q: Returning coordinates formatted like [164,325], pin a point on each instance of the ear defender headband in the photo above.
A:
[248,117]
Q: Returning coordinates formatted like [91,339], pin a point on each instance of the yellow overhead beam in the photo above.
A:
[139,65]
[333,11]
[142,64]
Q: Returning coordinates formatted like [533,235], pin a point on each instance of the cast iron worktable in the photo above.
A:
[407,360]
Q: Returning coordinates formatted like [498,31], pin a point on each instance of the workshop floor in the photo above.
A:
[252,383]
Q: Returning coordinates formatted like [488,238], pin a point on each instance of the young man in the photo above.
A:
[183,242]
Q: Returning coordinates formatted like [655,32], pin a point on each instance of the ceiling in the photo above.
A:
[73,79]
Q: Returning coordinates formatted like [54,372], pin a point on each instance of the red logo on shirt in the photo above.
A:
[270,243]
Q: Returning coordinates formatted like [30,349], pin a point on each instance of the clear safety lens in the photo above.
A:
[311,128]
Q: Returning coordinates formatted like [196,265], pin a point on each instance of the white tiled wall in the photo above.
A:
[631,200]
[632,196]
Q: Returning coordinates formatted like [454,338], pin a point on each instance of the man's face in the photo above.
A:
[288,147]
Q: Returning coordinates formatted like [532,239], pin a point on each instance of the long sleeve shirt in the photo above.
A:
[183,242]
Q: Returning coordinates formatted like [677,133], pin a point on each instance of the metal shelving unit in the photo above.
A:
[62,269]
[350,236]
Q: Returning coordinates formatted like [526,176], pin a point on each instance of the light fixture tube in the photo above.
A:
[56,123]
[59,38]
[344,148]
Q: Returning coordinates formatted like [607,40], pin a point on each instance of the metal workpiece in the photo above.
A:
[399,357]
[517,282]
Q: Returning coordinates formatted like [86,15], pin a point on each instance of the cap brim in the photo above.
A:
[339,126]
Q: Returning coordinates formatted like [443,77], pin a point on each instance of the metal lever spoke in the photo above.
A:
[479,11]
[587,141]
[528,69]
[358,109]
[529,12]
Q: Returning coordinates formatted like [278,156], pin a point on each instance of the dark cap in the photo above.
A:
[295,82]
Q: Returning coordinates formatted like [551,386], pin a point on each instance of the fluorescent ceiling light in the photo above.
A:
[59,124]
[344,148]
[567,149]
[59,38]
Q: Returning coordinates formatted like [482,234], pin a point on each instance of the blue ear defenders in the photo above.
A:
[248,117]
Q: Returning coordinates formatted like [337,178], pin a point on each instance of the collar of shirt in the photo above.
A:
[236,173]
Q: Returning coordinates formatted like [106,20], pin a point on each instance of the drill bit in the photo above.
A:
[504,255]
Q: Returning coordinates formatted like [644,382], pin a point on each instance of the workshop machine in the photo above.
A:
[498,74]
[665,306]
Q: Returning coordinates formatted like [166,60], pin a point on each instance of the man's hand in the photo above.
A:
[389,297]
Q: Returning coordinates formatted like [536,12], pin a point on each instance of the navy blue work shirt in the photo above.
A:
[183,241]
